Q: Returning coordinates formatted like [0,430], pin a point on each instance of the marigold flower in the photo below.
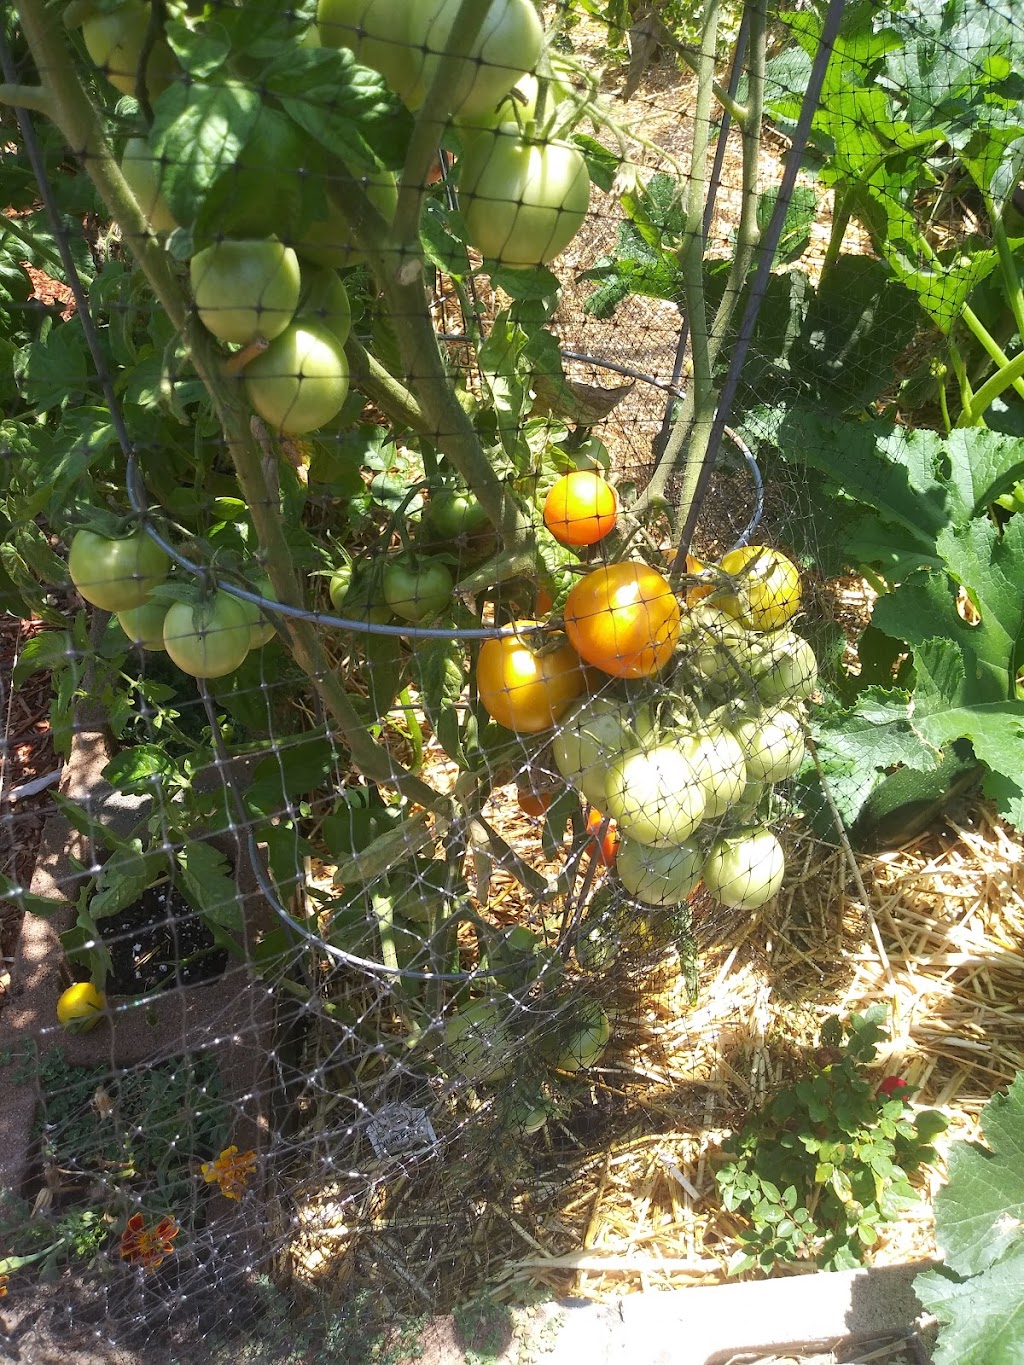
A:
[3,1284]
[148,1246]
[232,1171]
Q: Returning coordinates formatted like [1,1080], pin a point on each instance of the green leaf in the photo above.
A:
[54,369]
[44,653]
[982,1319]
[298,766]
[979,1212]
[347,108]
[25,900]
[140,769]
[856,326]
[198,131]
[123,878]
[209,885]
[801,212]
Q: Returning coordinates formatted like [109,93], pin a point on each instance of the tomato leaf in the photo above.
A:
[198,131]
[209,885]
[347,108]
[144,767]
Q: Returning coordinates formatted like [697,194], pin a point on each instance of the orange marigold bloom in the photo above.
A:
[148,1246]
[232,1171]
[3,1284]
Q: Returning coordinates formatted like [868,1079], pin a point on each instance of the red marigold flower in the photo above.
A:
[148,1246]
[892,1085]
[232,1171]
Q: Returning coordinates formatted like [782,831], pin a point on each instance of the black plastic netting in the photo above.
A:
[448,469]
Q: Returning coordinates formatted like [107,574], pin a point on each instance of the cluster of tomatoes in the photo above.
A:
[703,717]
[523,194]
[206,635]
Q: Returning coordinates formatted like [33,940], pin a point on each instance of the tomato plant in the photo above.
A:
[527,683]
[209,638]
[624,619]
[745,870]
[300,382]
[579,1041]
[581,508]
[455,512]
[244,290]
[116,574]
[532,802]
[417,589]
[480,1042]
[114,40]
[377,31]
[522,202]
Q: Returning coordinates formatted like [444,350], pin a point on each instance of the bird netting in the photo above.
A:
[500,502]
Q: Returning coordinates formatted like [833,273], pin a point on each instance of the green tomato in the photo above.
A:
[507,46]
[415,591]
[244,290]
[658,876]
[522,202]
[453,512]
[772,745]
[142,171]
[114,40]
[579,1041]
[721,766]
[786,669]
[328,242]
[376,31]
[300,382]
[210,639]
[341,581]
[655,795]
[325,300]
[261,630]
[591,737]
[144,625]
[479,1040]
[745,870]
[116,575]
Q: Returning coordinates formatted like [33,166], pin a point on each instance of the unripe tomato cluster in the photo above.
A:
[679,754]
[523,192]
[207,635]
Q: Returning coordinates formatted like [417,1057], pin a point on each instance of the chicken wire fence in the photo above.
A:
[379,995]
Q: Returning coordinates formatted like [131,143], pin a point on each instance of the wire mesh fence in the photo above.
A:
[449,497]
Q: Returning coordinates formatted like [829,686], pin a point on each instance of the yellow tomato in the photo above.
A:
[767,587]
[80,1007]
[527,684]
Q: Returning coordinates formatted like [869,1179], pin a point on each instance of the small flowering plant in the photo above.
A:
[232,1172]
[826,1163]
[148,1246]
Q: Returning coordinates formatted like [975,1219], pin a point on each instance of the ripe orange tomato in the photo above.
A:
[624,619]
[581,508]
[534,803]
[527,683]
[603,849]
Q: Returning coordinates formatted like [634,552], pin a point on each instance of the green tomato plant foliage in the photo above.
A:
[819,1171]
